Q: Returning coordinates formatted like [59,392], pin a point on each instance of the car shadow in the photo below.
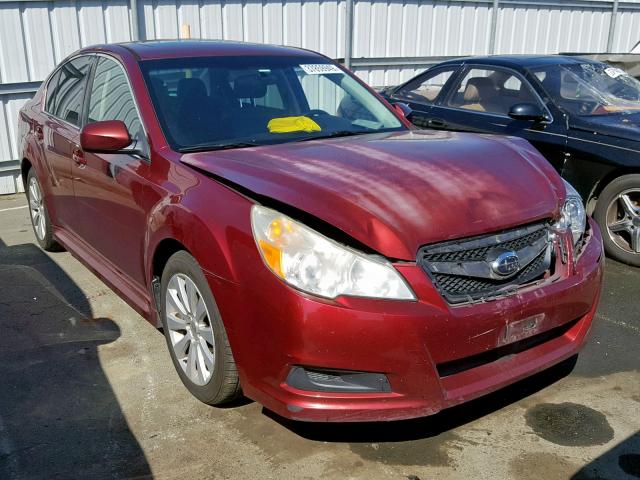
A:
[426,427]
[59,417]
[623,458]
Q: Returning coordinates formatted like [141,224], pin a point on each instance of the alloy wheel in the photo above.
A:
[190,330]
[623,220]
[36,207]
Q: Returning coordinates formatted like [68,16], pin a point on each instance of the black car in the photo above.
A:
[582,115]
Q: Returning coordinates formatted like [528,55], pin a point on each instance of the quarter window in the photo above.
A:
[491,91]
[112,99]
[66,90]
[427,87]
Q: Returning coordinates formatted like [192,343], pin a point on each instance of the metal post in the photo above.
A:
[348,33]
[135,32]
[612,26]
[494,26]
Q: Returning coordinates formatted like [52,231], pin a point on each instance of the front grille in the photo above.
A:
[461,270]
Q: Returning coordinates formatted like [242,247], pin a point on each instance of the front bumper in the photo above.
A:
[434,355]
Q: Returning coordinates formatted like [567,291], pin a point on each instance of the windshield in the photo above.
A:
[231,102]
[590,88]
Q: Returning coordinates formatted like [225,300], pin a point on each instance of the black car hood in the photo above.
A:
[620,125]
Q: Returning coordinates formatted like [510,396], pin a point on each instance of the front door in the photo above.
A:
[111,188]
[480,99]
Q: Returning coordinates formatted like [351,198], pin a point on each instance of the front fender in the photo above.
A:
[210,220]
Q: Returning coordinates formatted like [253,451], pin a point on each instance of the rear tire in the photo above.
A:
[618,214]
[195,334]
[39,214]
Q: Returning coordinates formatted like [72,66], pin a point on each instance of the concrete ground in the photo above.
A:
[87,390]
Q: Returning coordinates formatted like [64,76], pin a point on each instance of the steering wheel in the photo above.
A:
[315,112]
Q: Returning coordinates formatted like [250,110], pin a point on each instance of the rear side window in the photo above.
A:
[51,88]
[66,89]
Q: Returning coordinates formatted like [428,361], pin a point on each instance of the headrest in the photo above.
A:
[191,87]
[478,88]
[250,86]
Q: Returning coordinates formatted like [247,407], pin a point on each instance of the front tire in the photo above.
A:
[195,334]
[618,214]
[39,214]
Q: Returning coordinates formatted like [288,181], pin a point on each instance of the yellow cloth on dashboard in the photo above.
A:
[292,124]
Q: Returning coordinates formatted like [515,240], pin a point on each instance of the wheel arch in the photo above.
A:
[605,180]
[25,166]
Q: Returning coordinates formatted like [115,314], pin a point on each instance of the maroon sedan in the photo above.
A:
[297,241]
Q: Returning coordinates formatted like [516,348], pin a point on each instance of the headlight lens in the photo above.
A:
[315,264]
[573,215]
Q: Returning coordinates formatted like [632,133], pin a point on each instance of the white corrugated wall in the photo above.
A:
[35,35]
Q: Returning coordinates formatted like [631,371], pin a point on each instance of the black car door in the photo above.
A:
[421,92]
[479,100]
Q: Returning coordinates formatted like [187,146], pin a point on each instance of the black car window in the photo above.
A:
[66,90]
[426,87]
[491,91]
[111,98]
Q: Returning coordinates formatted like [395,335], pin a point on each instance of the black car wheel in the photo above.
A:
[196,337]
[618,214]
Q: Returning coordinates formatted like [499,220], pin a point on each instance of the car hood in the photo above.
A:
[395,192]
[618,125]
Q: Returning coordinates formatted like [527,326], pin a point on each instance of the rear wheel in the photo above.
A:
[618,214]
[195,335]
[39,214]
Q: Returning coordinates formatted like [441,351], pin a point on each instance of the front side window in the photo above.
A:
[427,87]
[66,89]
[590,88]
[492,91]
[111,98]
[222,102]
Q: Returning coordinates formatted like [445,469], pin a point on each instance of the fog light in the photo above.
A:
[320,380]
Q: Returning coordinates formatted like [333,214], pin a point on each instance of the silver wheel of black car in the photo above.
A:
[189,328]
[618,214]
[623,220]
[195,334]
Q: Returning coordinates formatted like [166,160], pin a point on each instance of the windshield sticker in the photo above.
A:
[614,72]
[320,68]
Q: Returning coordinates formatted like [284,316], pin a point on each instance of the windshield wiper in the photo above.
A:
[337,134]
[203,147]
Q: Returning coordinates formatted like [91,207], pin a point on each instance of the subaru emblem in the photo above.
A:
[505,264]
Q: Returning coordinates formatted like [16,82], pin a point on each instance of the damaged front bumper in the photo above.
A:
[295,352]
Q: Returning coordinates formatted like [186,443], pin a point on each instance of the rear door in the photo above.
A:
[422,92]
[479,100]
[60,136]
[111,189]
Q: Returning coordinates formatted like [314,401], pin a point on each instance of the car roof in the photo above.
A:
[522,61]
[159,49]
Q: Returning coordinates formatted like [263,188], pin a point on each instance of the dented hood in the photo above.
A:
[395,192]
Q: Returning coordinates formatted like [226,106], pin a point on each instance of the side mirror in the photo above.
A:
[403,109]
[105,137]
[527,111]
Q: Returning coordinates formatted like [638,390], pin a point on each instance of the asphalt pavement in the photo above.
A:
[87,390]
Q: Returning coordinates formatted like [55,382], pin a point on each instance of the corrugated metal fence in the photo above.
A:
[36,34]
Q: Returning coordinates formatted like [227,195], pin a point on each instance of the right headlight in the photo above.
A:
[318,265]
[573,215]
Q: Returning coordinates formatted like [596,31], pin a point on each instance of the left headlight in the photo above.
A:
[318,265]
[573,215]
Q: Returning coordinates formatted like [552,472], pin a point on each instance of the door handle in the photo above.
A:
[436,122]
[78,157]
